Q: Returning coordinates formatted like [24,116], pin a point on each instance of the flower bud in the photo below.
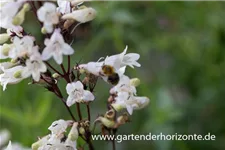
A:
[19,18]
[81,15]
[81,130]
[17,74]
[43,30]
[106,122]
[73,135]
[40,142]
[14,61]
[55,75]
[5,49]
[117,107]
[4,37]
[135,82]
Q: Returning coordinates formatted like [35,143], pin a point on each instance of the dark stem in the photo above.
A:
[63,69]
[59,94]
[68,70]
[78,111]
[113,141]
[88,110]
[49,65]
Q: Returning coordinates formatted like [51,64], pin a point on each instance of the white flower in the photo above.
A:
[81,15]
[58,127]
[48,15]
[130,102]
[7,12]
[123,59]
[124,85]
[4,50]
[9,147]
[77,93]
[35,66]
[64,6]
[22,47]
[15,146]
[118,62]
[12,76]
[5,65]
[4,136]
[18,30]
[56,47]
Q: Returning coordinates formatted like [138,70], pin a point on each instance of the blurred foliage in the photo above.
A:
[183,72]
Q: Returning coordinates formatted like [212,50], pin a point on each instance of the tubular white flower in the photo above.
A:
[118,62]
[16,30]
[64,6]
[56,47]
[12,76]
[130,102]
[5,65]
[6,16]
[9,147]
[4,136]
[81,15]
[4,50]
[48,15]
[22,47]
[35,66]
[77,93]
[58,127]
[124,85]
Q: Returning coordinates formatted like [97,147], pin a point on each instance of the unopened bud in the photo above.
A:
[117,107]
[4,37]
[106,122]
[14,61]
[122,119]
[43,30]
[81,15]
[82,71]
[73,135]
[5,49]
[17,74]
[55,75]
[135,82]
[20,16]
[81,131]
[40,142]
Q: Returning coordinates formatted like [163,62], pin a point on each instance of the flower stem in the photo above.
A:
[68,70]
[59,94]
[49,65]
[88,110]
[78,111]
[63,69]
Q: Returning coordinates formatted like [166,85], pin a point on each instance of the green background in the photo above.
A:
[183,73]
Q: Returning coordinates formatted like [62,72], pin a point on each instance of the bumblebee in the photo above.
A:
[112,76]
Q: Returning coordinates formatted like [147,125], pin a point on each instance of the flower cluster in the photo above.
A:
[23,57]
[58,139]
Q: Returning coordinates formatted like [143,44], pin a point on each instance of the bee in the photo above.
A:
[112,76]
